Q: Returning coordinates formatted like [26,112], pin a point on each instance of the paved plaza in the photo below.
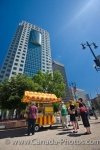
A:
[55,138]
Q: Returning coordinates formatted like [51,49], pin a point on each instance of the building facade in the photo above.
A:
[60,67]
[96,102]
[79,93]
[28,53]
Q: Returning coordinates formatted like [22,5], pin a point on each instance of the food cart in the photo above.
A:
[44,102]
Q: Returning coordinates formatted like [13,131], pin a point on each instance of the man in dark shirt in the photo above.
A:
[32,115]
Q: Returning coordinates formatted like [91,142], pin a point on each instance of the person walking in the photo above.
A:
[32,115]
[64,114]
[94,113]
[84,115]
[73,116]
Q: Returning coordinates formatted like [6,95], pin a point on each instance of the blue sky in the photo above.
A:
[69,22]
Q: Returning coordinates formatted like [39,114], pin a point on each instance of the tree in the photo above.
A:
[50,83]
[44,81]
[58,84]
[12,91]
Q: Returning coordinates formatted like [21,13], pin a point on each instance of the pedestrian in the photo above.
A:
[32,115]
[94,113]
[73,115]
[84,115]
[64,114]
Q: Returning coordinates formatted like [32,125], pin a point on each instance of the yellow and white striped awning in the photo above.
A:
[40,97]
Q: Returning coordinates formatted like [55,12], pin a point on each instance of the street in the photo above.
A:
[55,138]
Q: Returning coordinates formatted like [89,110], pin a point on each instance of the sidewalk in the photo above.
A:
[55,138]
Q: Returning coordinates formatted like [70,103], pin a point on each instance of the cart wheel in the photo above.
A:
[37,127]
[50,127]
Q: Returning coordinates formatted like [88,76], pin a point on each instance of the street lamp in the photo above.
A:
[96,60]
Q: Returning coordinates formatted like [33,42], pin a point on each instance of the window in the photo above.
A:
[5,64]
[17,56]
[18,53]
[21,65]
[17,59]
[7,60]
[19,73]
[13,54]
[8,70]
[4,67]
[2,71]
[23,54]
[14,68]
[1,76]
[15,64]
[8,56]
[9,66]
[7,75]
[10,62]
[22,61]
[13,72]
[20,69]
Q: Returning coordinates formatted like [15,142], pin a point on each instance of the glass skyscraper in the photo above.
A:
[60,67]
[28,53]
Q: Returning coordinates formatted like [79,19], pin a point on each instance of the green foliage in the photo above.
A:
[44,81]
[12,91]
[50,83]
[58,84]
[56,107]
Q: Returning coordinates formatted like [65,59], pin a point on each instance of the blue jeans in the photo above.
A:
[31,126]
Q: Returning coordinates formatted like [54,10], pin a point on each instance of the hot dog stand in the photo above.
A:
[44,102]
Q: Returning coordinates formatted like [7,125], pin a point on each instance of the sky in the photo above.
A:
[69,23]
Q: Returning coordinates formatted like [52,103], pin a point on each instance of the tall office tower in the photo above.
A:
[82,94]
[60,67]
[28,53]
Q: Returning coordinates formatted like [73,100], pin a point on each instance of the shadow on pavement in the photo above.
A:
[94,122]
[76,134]
[61,133]
[64,129]
[18,132]
[10,133]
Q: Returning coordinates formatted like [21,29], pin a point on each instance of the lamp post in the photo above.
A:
[96,60]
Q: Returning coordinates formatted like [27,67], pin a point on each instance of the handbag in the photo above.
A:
[83,109]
